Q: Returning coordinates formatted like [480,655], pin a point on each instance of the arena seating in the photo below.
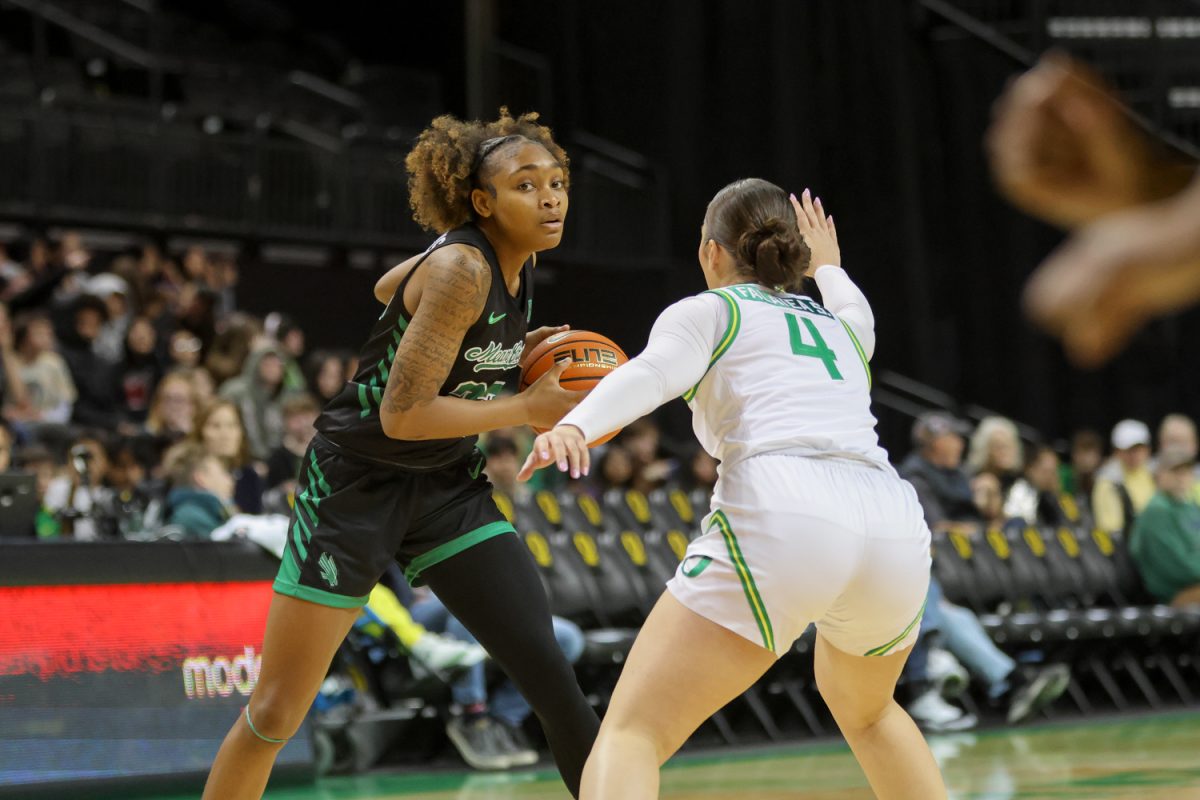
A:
[1070,595]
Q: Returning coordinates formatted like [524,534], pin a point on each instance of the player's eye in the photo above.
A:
[558,183]
[525,186]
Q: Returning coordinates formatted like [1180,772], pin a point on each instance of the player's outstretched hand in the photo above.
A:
[563,446]
[818,231]
[1118,273]
[546,401]
[1063,149]
[539,335]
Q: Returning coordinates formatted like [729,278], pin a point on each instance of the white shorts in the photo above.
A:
[794,540]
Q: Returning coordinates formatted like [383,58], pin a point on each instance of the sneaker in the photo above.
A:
[934,715]
[947,674]
[479,742]
[438,653]
[522,753]
[1031,695]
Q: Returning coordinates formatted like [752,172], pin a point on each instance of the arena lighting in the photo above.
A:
[1184,96]
[1123,27]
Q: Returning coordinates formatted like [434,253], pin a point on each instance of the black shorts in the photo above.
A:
[352,518]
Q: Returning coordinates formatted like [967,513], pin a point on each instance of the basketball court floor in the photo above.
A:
[1146,758]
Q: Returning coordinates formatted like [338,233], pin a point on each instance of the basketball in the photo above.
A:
[592,356]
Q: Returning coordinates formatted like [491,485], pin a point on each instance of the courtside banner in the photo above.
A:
[110,682]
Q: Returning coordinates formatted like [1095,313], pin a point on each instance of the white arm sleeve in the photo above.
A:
[847,301]
[675,359]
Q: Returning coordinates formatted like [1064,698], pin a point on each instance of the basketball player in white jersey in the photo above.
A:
[809,522]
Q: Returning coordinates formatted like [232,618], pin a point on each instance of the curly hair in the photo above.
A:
[442,166]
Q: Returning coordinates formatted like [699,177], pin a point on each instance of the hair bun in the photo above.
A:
[775,251]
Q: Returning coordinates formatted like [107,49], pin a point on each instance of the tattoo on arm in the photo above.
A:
[455,291]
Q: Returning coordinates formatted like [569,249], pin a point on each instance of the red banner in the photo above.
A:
[55,632]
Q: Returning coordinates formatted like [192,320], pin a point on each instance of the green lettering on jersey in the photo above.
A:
[816,350]
[474,390]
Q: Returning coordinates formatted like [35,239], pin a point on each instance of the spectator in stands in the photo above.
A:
[203,384]
[7,443]
[1166,536]
[996,448]
[615,470]
[641,439]
[46,376]
[140,371]
[503,464]
[257,392]
[1037,497]
[14,278]
[125,481]
[37,460]
[1125,484]
[701,474]
[1178,432]
[232,345]
[989,499]
[14,398]
[184,350]
[1078,476]
[935,470]
[488,733]
[173,410]
[300,412]
[197,313]
[220,431]
[289,336]
[79,498]
[201,493]
[114,292]
[326,373]
[95,378]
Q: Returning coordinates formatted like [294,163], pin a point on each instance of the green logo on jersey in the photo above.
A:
[328,570]
[495,356]
[493,319]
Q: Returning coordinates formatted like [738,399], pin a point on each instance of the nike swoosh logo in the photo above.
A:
[493,319]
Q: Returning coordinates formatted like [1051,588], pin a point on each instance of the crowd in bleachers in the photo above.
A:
[140,402]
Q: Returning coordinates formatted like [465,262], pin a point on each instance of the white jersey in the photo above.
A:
[785,374]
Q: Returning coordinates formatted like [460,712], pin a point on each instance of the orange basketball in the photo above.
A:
[592,356]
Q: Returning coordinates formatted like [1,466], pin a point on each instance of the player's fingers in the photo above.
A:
[576,454]
[832,228]
[806,202]
[820,210]
[558,453]
[527,469]
[801,217]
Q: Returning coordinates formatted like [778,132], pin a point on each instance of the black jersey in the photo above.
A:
[487,364]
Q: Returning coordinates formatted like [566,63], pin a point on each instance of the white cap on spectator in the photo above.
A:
[106,284]
[1130,433]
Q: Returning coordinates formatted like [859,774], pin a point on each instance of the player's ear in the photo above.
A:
[481,201]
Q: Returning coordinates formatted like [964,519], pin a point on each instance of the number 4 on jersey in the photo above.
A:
[816,350]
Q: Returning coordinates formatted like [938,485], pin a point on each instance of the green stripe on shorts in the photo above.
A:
[883,649]
[757,607]
[453,547]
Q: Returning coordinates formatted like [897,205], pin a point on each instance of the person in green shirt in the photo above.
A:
[1166,536]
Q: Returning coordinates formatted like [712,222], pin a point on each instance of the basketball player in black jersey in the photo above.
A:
[394,472]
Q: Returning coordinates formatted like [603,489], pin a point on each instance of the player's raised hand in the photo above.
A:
[1063,149]
[818,231]
[563,446]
